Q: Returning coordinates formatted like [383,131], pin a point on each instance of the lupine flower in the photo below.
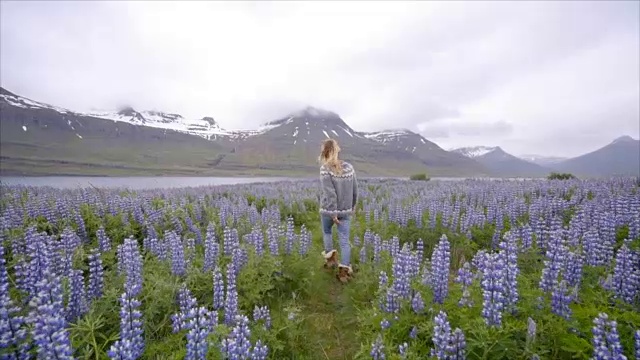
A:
[104,243]
[187,304]
[626,275]
[465,277]
[556,256]
[401,272]
[13,332]
[392,304]
[402,350]
[262,313]
[178,263]
[238,345]
[131,343]
[560,300]
[377,349]
[260,351]
[218,289]
[199,327]
[573,273]
[417,304]
[493,289]
[77,304]
[531,330]
[96,275]
[509,253]
[440,264]
[606,342]
[447,345]
[231,296]
[47,318]
[413,333]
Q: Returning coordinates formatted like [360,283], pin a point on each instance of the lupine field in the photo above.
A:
[469,269]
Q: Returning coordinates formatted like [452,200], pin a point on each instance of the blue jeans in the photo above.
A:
[343,236]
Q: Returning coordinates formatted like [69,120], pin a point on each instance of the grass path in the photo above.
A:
[331,323]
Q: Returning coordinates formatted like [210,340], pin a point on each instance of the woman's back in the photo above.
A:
[340,190]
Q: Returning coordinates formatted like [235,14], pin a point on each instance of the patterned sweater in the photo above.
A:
[339,194]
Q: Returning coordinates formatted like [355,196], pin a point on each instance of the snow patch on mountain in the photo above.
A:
[26,103]
[475,151]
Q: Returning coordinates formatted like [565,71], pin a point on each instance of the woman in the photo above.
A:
[337,204]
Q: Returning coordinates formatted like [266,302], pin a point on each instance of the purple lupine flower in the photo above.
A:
[262,313]
[218,289]
[47,318]
[465,277]
[363,254]
[402,350]
[260,351]
[560,300]
[493,289]
[211,248]
[131,343]
[573,273]
[606,342]
[289,236]
[237,345]
[392,304]
[385,324]
[77,304]
[509,253]
[531,330]
[479,261]
[130,262]
[401,272]
[377,349]
[440,264]
[189,250]
[626,278]
[273,235]
[304,239]
[69,242]
[96,275]
[441,336]
[178,264]
[199,327]
[104,243]
[13,331]
[556,256]
[187,304]
[231,296]
[413,333]
[457,345]
[417,304]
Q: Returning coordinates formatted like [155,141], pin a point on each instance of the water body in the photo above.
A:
[138,182]
[150,182]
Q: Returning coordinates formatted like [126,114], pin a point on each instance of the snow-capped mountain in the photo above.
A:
[205,127]
[474,151]
[309,125]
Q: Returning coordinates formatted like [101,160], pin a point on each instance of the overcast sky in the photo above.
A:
[551,78]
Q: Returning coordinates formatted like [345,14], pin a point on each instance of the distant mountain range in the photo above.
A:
[41,139]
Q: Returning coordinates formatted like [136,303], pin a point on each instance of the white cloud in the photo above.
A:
[529,76]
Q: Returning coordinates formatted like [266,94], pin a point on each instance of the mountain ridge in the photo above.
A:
[289,143]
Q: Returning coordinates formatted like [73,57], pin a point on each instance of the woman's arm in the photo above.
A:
[355,191]
[330,205]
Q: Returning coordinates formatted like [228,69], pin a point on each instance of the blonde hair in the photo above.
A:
[329,155]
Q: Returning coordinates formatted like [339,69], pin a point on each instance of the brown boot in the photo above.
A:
[345,273]
[330,259]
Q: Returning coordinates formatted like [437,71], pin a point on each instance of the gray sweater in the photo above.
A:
[339,194]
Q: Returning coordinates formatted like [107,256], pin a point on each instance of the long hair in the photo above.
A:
[329,155]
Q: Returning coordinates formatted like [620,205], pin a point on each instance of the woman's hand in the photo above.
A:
[335,220]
